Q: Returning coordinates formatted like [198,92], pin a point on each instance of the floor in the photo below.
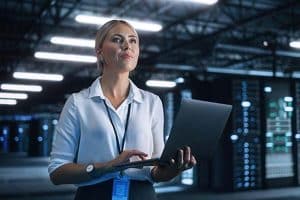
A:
[27,179]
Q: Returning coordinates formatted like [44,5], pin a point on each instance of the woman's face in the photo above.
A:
[120,49]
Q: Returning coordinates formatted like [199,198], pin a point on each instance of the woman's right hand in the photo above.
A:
[127,154]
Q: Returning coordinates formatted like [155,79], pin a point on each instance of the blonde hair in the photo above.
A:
[102,33]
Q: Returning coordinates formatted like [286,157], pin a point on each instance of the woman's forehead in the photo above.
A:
[122,29]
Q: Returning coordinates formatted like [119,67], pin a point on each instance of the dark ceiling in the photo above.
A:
[229,34]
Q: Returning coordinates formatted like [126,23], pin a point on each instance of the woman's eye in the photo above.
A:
[133,41]
[117,39]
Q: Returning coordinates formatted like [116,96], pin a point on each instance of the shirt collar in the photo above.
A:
[95,90]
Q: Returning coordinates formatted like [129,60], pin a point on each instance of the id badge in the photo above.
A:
[120,188]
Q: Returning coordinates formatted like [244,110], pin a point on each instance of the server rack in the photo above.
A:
[39,137]
[4,137]
[246,135]
[279,158]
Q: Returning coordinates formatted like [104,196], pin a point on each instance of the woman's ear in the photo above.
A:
[98,51]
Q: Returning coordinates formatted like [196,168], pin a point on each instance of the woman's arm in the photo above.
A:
[72,173]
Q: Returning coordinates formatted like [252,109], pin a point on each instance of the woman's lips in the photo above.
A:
[126,56]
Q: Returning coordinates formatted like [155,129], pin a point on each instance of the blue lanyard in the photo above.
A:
[126,126]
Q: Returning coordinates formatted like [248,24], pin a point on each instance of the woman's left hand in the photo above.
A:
[184,160]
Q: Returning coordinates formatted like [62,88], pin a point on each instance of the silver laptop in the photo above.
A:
[198,124]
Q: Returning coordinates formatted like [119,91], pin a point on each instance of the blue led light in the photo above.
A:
[268,89]
[5,131]
[245,104]
[246,173]
[20,130]
[40,139]
[54,122]
[246,184]
[234,137]
[16,138]
[45,127]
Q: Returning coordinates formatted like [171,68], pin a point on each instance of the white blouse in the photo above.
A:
[84,123]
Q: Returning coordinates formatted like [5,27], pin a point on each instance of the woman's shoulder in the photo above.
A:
[150,96]
[79,96]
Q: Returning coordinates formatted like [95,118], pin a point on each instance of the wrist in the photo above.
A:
[162,173]
[102,168]
[90,169]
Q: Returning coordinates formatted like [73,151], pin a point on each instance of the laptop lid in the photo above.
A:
[199,124]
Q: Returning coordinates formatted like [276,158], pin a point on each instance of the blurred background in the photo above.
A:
[240,52]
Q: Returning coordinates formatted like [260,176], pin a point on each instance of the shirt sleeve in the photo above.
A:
[158,134]
[66,136]
[158,128]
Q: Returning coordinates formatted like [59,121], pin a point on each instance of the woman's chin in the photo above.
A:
[126,68]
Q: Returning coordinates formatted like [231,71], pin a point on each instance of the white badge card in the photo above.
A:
[120,188]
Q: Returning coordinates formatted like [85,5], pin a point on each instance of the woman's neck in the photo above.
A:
[115,87]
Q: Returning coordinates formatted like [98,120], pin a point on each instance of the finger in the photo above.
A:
[127,154]
[137,152]
[179,159]
[193,162]
[187,154]
[172,162]
[142,157]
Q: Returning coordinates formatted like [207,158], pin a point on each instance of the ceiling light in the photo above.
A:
[243,72]
[20,87]
[65,57]
[206,2]
[8,95]
[8,102]
[139,25]
[295,44]
[161,84]
[38,76]
[73,41]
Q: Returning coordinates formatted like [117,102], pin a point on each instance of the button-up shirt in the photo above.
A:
[84,133]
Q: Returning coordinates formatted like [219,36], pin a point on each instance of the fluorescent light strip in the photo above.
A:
[139,25]
[8,95]
[73,41]
[20,87]
[65,57]
[295,44]
[161,84]
[8,101]
[38,76]
[205,2]
[244,72]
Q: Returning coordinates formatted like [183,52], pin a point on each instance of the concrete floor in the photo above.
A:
[27,179]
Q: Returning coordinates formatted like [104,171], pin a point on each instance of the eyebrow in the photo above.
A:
[117,34]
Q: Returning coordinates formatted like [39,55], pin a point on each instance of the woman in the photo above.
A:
[112,122]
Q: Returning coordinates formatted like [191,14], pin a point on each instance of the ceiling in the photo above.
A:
[194,38]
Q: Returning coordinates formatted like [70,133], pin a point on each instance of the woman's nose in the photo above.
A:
[126,45]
